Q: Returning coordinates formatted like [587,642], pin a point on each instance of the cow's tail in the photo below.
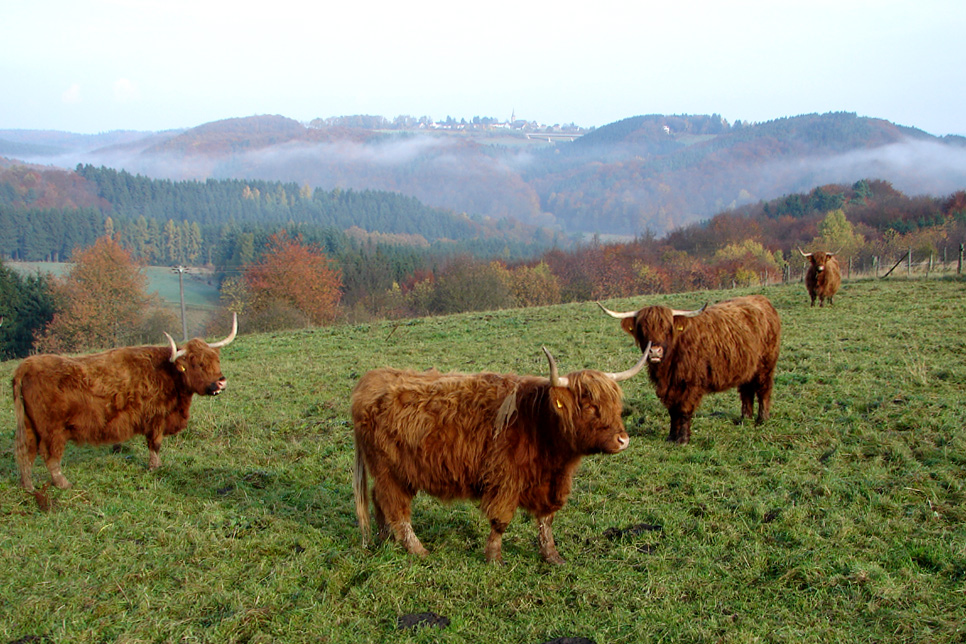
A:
[25,440]
[360,489]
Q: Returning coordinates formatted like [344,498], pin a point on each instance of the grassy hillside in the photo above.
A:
[842,519]
[200,291]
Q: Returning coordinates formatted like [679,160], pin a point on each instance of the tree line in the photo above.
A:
[377,275]
[44,215]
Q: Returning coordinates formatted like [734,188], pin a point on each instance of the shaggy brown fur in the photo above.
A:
[734,343]
[510,441]
[107,398]
[823,277]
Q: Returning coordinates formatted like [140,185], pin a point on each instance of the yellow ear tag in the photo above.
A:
[680,328]
[180,367]
[559,405]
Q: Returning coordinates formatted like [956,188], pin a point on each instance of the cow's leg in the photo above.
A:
[680,426]
[548,549]
[395,504]
[747,392]
[764,398]
[493,552]
[499,505]
[154,446]
[51,450]
[25,450]
[382,527]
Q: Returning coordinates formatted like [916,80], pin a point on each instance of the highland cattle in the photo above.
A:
[734,343]
[109,397]
[509,441]
[823,276]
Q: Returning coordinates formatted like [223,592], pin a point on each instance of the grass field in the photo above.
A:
[843,519]
[200,291]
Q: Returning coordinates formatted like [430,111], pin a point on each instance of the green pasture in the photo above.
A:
[843,519]
[201,295]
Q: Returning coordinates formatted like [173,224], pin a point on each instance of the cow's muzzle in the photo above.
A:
[217,386]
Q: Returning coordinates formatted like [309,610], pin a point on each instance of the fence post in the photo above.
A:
[909,263]
[849,276]
[959,269]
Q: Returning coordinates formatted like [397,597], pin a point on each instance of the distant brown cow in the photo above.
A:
[823,277]
[510,441]
[734,343]
[108,398]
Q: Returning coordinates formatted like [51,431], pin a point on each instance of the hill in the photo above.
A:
[650,173]
[841,519]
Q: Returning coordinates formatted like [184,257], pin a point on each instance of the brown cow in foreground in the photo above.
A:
[108,398]
[509,441]
[823,277]
[730,344]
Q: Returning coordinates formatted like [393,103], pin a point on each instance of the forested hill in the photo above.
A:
[652,173]
[272,203]
[46,213]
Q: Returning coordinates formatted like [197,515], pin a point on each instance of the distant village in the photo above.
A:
[476,124]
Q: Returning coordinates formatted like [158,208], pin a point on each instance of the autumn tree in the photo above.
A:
[650,279]
[745,262]
[466,284]
[297,284]
[101,302]
[837,235]
[534,286]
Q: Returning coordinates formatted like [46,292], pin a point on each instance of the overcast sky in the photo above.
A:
[98,65]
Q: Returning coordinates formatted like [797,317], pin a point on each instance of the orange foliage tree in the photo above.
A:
[291,275]
[102,302]
[534,286]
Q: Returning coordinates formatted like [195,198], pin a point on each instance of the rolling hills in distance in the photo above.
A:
[643,174]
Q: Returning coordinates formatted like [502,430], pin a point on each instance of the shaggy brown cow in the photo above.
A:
[730,344]
[108,398]
[823,277]
[509,441]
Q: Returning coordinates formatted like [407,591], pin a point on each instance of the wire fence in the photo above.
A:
[949,261]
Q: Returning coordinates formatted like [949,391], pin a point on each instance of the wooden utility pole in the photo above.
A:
[181,270]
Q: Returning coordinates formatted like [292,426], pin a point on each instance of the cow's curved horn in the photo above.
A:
[804,254]
[231,336]
[633,371]
[689,314]
[619,316]
[175,354]
[556,380]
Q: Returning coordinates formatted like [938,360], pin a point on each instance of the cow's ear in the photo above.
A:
[628,325]
[179,365]
[681,323]
[562,401]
